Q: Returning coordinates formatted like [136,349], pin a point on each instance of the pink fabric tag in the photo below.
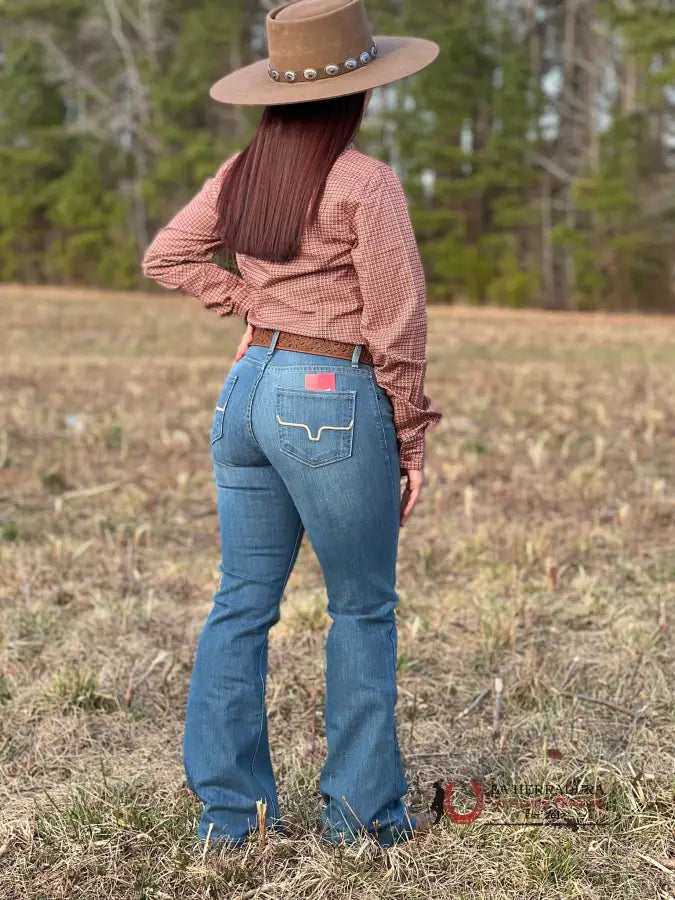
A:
[320,381]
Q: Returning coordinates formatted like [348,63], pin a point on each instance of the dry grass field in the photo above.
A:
[542,555]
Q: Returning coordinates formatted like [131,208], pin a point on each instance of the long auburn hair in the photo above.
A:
[274,187]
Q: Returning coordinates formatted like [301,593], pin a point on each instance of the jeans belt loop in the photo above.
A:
[273,342]
[355,355]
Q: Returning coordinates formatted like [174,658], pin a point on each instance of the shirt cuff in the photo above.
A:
[241,300]
[411,457]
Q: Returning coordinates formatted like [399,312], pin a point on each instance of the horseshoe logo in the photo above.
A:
[463,818]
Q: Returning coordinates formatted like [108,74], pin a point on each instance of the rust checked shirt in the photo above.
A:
[358,278]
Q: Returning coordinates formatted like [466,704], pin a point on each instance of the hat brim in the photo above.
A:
[397,57]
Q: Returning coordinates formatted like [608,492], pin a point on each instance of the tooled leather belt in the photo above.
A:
[287,340]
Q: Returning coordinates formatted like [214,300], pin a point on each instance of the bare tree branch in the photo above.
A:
[135,82]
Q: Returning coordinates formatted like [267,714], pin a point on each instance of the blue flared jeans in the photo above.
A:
[290,459]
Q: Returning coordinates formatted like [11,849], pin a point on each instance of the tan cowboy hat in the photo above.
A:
[320,49]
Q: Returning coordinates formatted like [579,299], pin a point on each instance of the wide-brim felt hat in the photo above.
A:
[320,49]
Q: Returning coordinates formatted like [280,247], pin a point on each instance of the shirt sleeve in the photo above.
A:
[394,317]
[179,257]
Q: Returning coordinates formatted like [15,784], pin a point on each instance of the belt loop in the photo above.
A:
[355,355]
[273,342]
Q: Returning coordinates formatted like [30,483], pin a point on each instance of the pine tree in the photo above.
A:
[468,135]
[33,151]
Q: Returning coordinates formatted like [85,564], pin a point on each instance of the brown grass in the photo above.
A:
[542,553]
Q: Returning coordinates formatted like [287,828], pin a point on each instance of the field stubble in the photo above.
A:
[541,557]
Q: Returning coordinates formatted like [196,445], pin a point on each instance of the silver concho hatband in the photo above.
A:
[330,70]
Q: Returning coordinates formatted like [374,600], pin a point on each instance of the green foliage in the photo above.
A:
[102,139]
[619,260]
[75,690]
[470,128]
[89,220]
[33,150]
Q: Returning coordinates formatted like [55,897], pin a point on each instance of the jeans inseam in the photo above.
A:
[294,553]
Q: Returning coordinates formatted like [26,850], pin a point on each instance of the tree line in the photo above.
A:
[537,152]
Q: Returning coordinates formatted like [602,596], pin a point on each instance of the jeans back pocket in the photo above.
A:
[219,414]
[315,427]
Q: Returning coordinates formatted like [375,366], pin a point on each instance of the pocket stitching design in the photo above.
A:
[343,451]
[318,437]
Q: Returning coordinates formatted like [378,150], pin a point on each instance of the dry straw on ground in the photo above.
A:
[535,624]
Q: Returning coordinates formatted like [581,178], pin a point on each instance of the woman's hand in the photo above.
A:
[415,480]
[245,343]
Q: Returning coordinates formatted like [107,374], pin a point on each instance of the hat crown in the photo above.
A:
[308,9]
[315,34]
[319,50]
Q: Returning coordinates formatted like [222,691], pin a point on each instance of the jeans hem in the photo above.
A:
[398,832]
[218,839]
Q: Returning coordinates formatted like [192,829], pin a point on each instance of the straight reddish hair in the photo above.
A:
[274,187]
